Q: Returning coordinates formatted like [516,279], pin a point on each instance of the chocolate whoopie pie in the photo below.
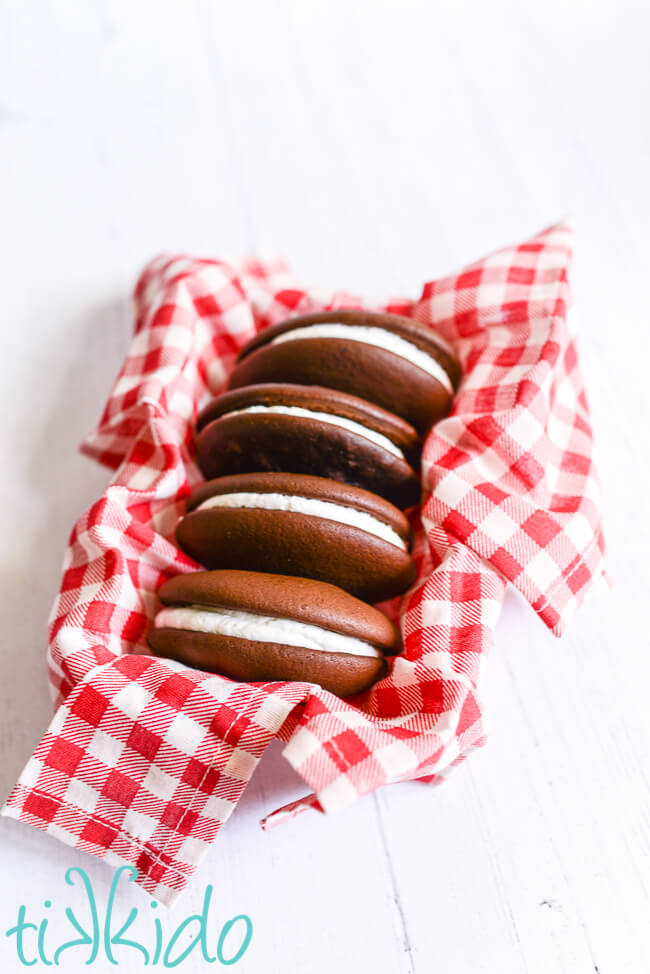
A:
[310,430]
[257,627]
[295,524]
[395,362]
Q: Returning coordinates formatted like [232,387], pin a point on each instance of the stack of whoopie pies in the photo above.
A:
[311,457]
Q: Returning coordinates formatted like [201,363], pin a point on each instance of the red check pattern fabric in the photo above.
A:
[145,758]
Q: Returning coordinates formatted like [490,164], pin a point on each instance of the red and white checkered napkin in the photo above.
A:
[145,758]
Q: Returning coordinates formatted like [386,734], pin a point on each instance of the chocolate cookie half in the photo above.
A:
[310,430]
[294,524]
[393,361]
[257,627]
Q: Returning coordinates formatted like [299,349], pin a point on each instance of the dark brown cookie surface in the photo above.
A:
[242,431]
[284,597]
[252,662]
[251,534]
[376,374]
[275,597]
[318,399]
[423,336]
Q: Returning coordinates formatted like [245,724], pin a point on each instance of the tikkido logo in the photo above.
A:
[105,935]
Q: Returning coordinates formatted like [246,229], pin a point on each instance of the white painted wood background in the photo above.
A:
[375,145]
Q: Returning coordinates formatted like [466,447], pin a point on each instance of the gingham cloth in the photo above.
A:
[145,758]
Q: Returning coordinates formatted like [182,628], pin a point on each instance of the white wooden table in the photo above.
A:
[375,145]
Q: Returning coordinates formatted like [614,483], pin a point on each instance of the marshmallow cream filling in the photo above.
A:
[369,335]
[310,506]
[263,629]
[332,418]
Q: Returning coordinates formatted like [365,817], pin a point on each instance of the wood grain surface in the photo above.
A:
[376,145]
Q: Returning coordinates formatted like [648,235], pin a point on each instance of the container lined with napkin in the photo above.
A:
[146,758]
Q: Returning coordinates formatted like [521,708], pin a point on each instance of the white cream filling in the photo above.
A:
[342,421]
[369,335]
[264,629]
[313,507]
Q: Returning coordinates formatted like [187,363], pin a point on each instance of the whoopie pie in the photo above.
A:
[393,361]
[310,430]
[296,524]
[253,626]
